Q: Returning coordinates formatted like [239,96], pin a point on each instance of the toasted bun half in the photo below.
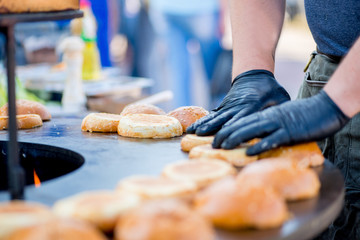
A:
[230,206]
[285,177]
[25,121]
[236,156]
[191,140]
[149,126]
[28,107]
[202,172]
[100,122]
[100,208]
[142,108]
[65,229]
[152,187]
[19,214]
[163,220]
[306,154]
[188,115]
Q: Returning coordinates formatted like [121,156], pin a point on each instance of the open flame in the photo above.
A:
[37,181]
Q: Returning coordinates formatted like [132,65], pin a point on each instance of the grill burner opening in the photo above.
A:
[46,161]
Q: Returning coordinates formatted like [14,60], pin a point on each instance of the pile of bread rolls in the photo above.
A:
[144,121]
[30,114]
[189,199]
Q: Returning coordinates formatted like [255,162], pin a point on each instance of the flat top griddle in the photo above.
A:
[110,158]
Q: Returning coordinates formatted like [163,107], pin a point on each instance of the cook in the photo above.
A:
[329,99]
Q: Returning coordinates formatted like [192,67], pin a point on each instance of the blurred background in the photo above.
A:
[179,51]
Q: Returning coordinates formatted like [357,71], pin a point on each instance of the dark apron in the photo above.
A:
[342,149]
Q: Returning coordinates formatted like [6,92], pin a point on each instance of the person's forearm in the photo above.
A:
[256,27]
[344,86]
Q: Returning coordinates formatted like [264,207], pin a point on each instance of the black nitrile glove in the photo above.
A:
[293,122]
[250,92]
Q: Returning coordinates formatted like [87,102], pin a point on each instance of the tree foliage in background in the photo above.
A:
[21,92]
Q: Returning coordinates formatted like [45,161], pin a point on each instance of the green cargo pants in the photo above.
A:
[342,149]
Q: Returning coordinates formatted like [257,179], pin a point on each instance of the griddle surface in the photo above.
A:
[110,158]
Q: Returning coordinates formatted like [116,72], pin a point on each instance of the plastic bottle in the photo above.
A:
[73,99]
[91,65]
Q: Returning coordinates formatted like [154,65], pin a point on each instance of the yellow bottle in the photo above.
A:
[91,65]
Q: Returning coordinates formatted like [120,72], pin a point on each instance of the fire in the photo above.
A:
[37,181]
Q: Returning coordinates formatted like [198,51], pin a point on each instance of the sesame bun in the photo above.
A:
[163,220]
[202,172]
[236,157]
[18,214]
[149,126]
[142,108]
[64,229]
[191,140]
[188,115]
[230,206]
[306,154]
[100,208]
[28,107]
[25,121]
[285,177]
[100,122]
[152,187]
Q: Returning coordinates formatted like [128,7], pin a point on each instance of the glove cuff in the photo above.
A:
[341,115]
[252,72]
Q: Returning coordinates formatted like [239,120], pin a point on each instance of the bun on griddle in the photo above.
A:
[305,154]
[100,208]
[24,121]
[149,126]
[236,156]
[284,176]
[163,220]
[229,205]
[202,172]
[27,107]
[189,141]
[64,229]
[155,187]
[188,115]
[19,214]
[100,122]
[138,108]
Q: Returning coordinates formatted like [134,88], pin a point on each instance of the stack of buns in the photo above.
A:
[30,114]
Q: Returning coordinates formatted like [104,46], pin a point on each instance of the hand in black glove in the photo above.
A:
[293,122]
[250,92]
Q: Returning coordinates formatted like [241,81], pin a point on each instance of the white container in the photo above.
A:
[73,99]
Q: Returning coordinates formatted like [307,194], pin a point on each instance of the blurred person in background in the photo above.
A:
[184,25]
[329,103]
[138,36]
